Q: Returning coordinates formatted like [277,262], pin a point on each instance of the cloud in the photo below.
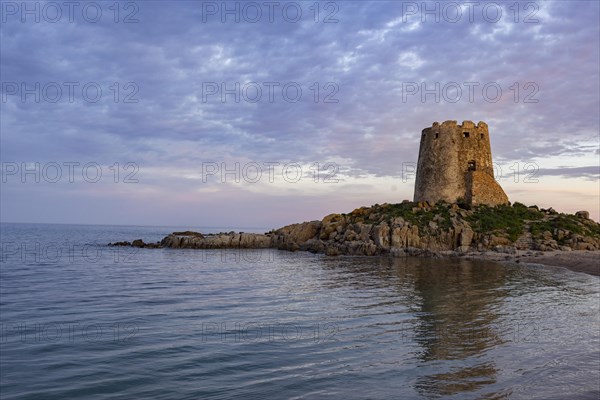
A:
[352,73]
[589,172]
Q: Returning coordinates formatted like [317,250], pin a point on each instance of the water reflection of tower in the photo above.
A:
[452,305]
[454,325]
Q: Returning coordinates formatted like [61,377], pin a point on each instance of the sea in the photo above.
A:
[82,320]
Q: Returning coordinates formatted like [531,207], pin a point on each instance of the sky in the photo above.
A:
[262,114]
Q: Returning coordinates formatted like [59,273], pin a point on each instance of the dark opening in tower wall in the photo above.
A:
[466,134]
[472,166]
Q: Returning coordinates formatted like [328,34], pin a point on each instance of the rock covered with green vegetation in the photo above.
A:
[417,228]
[421,227]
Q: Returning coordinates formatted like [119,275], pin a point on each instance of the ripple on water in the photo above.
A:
[203,324]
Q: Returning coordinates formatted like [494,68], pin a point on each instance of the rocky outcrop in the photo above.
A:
[291,237]
[195,240]
[415,228]
[137,243]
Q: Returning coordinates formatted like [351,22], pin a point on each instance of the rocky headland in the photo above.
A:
[414,228]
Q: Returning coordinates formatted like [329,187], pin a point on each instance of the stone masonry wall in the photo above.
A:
[483,189]
[447,152]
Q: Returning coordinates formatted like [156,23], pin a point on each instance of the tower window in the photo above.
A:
[436,135]
[481,136]
[466,134]
[472,166]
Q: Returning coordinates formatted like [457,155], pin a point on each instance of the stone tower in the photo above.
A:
[455,161]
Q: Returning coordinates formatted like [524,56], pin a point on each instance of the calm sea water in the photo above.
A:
[80,320]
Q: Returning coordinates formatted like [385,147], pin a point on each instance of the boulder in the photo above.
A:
[465,238]
[365,232]
[171,241]
[124,243]
[300,233]
[332,251]
[398,221]
[583,246]
[314,246]
[381,236]
[498,241]
[138,243]
[188,233]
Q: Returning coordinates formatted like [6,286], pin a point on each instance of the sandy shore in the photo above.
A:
[577,260]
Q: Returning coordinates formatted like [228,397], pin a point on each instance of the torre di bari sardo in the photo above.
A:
[455,163]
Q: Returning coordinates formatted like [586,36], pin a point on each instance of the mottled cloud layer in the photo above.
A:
[362,68]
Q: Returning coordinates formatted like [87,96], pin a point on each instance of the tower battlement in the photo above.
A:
[465,124]
[455,161]
[450,124]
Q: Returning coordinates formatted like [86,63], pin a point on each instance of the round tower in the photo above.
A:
[455,162]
